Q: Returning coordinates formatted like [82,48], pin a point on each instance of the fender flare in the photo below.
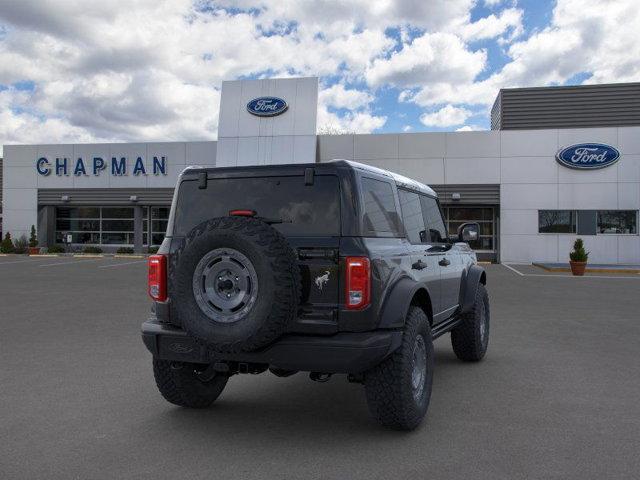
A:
[396,305]
[474,276]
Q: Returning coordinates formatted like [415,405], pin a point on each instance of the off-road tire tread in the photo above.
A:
[182,388]
[390,402]
[286,272]
[465,338]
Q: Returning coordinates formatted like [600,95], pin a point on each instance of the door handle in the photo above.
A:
[419,265]
[444,262]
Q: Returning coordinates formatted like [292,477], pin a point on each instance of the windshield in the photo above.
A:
[304,210]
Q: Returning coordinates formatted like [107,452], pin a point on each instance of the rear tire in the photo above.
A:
[399,389]
[470,339]
[179,384]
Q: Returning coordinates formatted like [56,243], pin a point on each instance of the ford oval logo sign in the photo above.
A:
[588,156]
[267,106]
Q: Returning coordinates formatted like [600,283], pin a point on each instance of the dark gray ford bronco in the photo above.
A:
[324,268]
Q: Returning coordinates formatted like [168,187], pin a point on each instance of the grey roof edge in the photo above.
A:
[400,180]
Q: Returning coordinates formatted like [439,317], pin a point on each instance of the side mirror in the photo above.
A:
[468,232]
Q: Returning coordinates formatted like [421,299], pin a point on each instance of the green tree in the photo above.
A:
[579,254]
[33,239]
[7,244]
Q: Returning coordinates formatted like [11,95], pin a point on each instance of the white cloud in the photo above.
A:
[351,122]
[469,128]
[447,116]
[151,69]
[432,57]
[583,37]
[509,20]
[338,96]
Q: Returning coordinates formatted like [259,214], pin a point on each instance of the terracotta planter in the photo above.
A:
[578,268]
[34,250]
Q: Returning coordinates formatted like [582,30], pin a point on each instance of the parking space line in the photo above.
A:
[69,263]
[566,276]
[513,269]
[22,261]
[121,264]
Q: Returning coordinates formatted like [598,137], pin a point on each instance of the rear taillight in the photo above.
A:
[157,278]
[358,282]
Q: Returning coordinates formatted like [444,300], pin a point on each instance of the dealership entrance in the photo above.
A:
[486,247]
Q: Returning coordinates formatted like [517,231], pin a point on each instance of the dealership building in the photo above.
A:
[559,162]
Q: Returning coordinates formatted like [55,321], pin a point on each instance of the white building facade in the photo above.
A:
[530,206]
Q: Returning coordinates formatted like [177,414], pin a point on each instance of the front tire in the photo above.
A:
[399,389]
[179,384]
[470,339]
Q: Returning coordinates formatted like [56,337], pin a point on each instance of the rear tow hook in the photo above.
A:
[320,377]
[212,370]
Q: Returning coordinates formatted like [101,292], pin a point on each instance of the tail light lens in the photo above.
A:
[358,282]
[157,278]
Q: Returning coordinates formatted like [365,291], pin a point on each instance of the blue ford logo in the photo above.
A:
[267,106]
[588,156]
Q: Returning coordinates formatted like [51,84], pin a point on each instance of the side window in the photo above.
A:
[380,215]
[412,216]
[433,219]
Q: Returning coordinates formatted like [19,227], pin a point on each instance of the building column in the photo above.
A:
[137,228]
[46,228]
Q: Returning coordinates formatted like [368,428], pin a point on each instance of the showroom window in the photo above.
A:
[556,221]
[618,221]
[95,225]
[110,225]
[159,219]
[484,216]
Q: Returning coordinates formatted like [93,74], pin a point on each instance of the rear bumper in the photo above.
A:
[339,353]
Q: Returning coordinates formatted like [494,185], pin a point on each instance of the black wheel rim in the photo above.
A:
[419,368]
[225,285]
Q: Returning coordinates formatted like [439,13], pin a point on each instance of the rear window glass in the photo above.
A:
[306,210]
[380,214]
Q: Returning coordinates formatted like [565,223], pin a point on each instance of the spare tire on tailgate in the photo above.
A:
[236,283]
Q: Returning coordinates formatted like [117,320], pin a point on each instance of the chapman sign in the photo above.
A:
[267,106]
[96,165]
[588,156]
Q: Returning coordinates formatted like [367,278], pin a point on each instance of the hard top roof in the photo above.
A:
[400,180]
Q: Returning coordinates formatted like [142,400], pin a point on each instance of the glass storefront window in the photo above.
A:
[556,221]
[159,220]
[95,225]
[483,216]
[618,221]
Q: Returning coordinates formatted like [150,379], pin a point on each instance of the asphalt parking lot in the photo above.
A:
[558,395]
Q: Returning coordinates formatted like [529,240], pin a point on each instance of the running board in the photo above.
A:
[444,327]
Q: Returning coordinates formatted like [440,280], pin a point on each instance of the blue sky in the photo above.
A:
[77,71]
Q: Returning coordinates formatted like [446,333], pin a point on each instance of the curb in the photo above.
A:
[589,270]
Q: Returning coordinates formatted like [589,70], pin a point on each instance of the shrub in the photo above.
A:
[92,250]
[33,238]
[7,244]
[21,244]
[579,254]
[125,250]
[56,249]
[153,250]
